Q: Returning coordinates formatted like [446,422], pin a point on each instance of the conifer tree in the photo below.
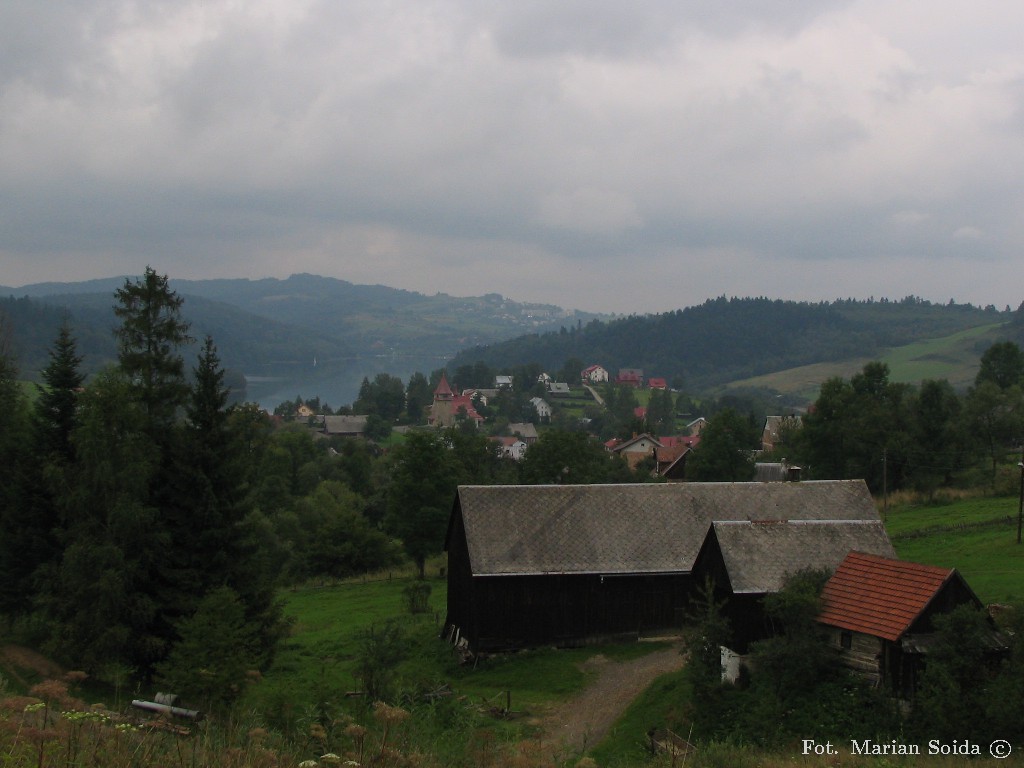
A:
[32,539]
[13,438]
[151,332]
[204,503]
[57,399]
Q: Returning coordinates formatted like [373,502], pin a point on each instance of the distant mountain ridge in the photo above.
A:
[259,323]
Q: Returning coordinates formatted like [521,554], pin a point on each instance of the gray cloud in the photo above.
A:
[592,154]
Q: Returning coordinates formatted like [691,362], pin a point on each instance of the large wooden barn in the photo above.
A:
[568,564]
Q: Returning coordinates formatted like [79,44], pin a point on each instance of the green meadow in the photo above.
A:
[954,358]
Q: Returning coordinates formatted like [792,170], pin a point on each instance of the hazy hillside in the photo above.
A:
[245,341]
[305,335]
[362,319]
[725,340]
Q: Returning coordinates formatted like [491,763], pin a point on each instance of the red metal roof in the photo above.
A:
[879,596]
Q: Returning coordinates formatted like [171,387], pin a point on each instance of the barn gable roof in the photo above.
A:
[758,556]
[880,596]
[631,528]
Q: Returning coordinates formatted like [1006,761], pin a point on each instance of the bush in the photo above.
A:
[381,648]
[417,596]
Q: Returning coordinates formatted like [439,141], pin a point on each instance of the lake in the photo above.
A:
[336,382]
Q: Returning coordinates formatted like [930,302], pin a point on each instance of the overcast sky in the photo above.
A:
[596,154]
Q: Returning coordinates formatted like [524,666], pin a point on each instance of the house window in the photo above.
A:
[846,640]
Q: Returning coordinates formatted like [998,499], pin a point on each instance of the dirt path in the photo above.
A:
[584,720]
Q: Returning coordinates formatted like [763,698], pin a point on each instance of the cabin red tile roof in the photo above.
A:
[879,596]
[657,383]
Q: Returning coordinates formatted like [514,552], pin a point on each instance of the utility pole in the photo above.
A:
[1020,509]
[885,483]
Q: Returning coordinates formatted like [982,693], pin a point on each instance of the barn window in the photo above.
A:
[846,640]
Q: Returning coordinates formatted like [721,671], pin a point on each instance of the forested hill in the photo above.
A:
[257,322]
[246,341]
[724,340]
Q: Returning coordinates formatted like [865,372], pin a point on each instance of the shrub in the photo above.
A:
[381,648]
[417,596]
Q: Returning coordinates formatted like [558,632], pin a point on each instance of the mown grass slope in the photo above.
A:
[954,358]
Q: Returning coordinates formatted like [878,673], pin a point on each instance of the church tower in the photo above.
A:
[442,412]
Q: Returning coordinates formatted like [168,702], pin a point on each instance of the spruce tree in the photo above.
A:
[205,505]
[56,402]
[151,333]
[15,571]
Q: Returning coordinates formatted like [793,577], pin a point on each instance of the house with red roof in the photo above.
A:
[630,377]
[880,614]
[657,382]
[594,374]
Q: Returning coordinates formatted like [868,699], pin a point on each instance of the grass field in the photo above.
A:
[954,358]
[976,536]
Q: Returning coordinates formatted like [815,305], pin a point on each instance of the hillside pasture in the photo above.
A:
[954,358]
[977,536]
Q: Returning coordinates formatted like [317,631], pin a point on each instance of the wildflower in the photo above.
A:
[308,764]
[330,757]
[355,731]
[387,714]
[50,689]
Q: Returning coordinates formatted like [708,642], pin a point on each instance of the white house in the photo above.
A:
[595,374]
[541,406]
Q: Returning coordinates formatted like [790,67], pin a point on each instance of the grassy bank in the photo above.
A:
[977,536]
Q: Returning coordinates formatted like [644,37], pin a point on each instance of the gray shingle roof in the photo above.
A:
[759,556]
[345,425]
[646,528]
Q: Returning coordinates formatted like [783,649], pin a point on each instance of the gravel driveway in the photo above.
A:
[581,722]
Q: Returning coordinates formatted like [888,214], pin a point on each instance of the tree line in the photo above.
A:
[923,437]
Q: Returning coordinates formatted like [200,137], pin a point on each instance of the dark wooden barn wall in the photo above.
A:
[515,611]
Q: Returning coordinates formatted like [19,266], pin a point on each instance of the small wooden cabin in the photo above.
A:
[569,564]
[880,611]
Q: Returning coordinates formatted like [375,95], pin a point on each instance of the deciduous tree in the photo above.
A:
[726,450]
[423,480]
